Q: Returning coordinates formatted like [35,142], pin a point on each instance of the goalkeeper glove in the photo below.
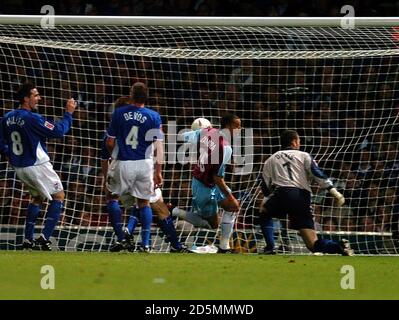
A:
[337,195]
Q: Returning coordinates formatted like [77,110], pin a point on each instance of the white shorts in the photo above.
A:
[134,178]
[41,180]
[128,201]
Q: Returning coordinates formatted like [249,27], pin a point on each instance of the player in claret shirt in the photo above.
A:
[208,186]
[24,133]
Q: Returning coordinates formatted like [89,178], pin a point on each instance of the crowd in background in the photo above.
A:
[203,7]
[345,109]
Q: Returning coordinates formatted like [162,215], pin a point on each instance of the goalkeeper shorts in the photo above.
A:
[294,202]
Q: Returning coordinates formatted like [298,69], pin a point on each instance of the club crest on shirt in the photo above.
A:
[49,125]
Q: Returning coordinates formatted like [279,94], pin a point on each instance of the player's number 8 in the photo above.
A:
[17,147]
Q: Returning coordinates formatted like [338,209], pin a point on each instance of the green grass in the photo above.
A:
[175,276]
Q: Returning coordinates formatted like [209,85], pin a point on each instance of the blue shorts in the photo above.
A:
[292,201]
[206,200]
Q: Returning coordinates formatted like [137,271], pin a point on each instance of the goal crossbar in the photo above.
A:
[200,21]
[336,86]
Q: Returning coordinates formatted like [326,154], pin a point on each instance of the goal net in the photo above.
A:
[337,87]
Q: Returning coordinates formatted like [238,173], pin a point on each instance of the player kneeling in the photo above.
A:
[286,186]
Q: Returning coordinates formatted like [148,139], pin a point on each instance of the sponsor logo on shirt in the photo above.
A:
[49,125]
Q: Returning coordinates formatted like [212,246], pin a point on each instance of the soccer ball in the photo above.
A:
[200,123]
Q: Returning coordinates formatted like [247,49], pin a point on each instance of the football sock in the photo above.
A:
[326,246]
[53,214]
[115,217]
[169,230]
[32,214]
[192,218]
[180,213]
[266,225]
[226,229]
[146,220]
[133,220]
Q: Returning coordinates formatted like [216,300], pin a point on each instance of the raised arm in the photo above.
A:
[191,136]
[58,129]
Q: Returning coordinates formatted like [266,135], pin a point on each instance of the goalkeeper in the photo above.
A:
[286,188]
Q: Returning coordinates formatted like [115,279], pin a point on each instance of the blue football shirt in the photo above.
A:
[135,129]
[25,133]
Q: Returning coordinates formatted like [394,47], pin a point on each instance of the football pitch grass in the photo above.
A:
[84,275]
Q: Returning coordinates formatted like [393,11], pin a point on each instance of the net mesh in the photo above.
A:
[336,87]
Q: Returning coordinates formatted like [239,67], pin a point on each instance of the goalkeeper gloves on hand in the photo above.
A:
[337,195]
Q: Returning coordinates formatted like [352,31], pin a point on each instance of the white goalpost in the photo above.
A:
[337,87]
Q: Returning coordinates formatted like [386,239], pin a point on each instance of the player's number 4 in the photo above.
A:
[131,139]
[17,146]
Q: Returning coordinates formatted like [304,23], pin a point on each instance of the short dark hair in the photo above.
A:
[227,119]
[287,137]
[24,91]
[138,93]
[121,101]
